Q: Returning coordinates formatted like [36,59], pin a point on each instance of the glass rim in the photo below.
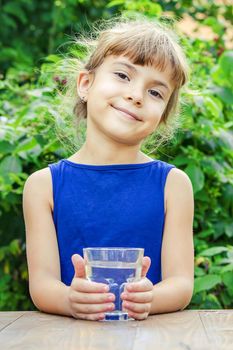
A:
[112,248]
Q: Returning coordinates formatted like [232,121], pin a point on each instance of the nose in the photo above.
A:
[135,96]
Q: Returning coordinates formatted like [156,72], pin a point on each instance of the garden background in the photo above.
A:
[31,33]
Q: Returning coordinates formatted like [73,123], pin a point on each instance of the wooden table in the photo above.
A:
[186,330]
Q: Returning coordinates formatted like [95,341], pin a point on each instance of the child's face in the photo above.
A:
[119,88]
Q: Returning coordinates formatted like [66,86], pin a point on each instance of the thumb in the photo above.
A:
[79,266]
[146,262]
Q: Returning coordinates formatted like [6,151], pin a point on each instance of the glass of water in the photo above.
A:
[114,267]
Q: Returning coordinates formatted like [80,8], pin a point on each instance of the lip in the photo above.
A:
[127,112]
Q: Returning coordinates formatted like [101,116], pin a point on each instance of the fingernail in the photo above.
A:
[106,288]
[111,297]
[124,295]
[111,306]
[129,288]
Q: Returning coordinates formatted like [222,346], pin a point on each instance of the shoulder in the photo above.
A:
[177,177]
[39,184]
[41,177]
[178,187]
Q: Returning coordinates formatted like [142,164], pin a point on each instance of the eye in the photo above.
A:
[122,76]
[156,94]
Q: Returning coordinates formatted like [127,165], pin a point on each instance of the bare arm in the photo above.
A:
[175,290]
[48,293]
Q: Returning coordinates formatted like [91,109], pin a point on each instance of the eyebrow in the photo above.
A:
[132,68]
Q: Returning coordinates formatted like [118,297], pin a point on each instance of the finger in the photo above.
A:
[136,307]
[79,266]
[138,316]
[141,297]
[85,286]
[142,285]
[89,298]
[146,262]
[90,317]
[93,308]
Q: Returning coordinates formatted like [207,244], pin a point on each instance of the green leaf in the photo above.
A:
[223,74]
[6,147]
[28,148]
[215,24]
[226,138]
[206,233]
[224,93]
[227,279]
[199,271]
[115,3]
[181,160]
[230,254]
[10,164]
[2,253]
[202,196]
[226,299]
[214,106]
[9,22]
[53,58]
[227,268]
[212,302]
[229,230]
[196,176]
[213,251]
[199,101]
[26,145]
[206,282]
[38,92]
[226,63]
[15,247]
[15,9]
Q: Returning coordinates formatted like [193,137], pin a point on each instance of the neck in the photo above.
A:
[100,150]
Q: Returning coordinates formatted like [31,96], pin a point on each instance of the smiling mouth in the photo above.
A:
[126,113]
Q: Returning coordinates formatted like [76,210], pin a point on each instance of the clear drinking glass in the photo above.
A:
[115,267]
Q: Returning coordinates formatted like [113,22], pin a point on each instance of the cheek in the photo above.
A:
[105,89]
[153,119]
[155,113]
[155,124]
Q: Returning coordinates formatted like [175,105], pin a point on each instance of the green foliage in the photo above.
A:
[30,30]
[13,283]
[214,278]
[205,153]
[28,141]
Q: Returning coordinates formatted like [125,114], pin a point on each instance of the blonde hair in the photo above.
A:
[144,42]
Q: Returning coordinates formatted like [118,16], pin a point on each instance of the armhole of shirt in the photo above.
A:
[52,174]
[167,172]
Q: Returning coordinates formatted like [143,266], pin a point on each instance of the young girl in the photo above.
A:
[110,193]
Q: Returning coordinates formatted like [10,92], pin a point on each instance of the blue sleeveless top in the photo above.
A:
[118,205]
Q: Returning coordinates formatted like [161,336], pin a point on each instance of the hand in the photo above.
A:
[88,300]
[137,297]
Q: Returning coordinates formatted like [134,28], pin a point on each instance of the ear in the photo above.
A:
[84,81]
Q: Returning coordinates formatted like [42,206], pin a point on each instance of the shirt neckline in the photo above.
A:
[109,166]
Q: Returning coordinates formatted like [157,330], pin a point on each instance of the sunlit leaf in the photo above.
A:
[213,251]
[10,164]
[206,282]
[197,177]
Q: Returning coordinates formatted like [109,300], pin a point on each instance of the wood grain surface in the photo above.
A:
[184,330]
